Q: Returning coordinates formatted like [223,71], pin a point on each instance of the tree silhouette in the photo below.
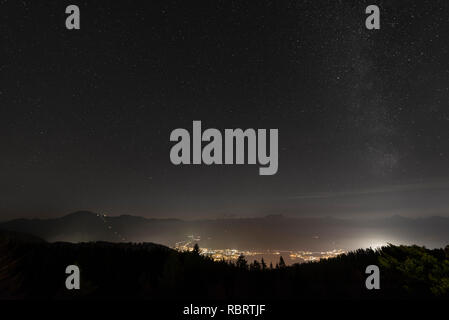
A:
[264,265]
[281,263]
[196,249]
[255,265]
[241,262]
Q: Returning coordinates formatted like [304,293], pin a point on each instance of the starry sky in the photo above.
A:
[86,115]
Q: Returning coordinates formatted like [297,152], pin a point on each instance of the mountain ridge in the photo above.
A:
[268,232]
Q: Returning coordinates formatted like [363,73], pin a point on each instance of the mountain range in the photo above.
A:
[269,232]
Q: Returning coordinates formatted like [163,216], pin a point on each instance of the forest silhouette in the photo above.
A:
[33,268]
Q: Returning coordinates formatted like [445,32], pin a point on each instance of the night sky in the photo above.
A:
[86,115]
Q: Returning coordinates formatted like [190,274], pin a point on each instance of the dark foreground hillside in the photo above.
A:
[33,268]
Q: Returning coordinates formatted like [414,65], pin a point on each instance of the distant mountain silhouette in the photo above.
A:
[6,236]
[270,232]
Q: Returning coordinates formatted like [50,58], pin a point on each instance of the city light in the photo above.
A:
[230,255]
